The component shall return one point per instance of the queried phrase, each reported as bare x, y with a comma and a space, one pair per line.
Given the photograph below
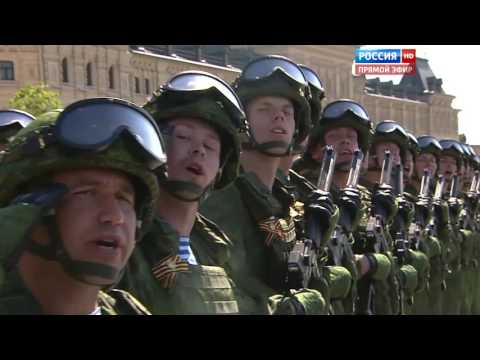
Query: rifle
416, 229
467, 220
375, 242
437, 198
339, 244
303, 258
455, 187
433, 227
400, 241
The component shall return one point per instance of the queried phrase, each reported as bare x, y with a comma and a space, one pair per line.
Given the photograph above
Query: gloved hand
471, 201
405, 210
46, 197
383, 201
349, 203
422, 208
24, 211
440, 212
300, 302
454, 207
319, 214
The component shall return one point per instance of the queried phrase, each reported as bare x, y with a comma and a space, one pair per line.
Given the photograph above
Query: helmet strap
79, 270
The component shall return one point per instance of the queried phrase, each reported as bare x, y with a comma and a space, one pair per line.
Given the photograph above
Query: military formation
251, 198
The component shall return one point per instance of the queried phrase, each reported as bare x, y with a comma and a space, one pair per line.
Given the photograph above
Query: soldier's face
425, 161
193, 152
272, 119
96, 218
447, 166
394, 152
408, 166
344, 141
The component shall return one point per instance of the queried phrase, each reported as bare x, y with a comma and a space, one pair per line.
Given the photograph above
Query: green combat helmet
391, 131
413, 145
453, 148
430, 145
317, 92
201, 95
100, 133
276, 76
340, 113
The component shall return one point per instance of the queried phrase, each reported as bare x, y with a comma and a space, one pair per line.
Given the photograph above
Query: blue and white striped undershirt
185, 251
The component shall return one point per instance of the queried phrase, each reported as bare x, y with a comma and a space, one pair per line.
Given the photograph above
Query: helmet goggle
10, 117
312, 78
427, 140
452, 144
93, 124
265, 66
413, 143
192, 81
472, 151
339, 108
387, 127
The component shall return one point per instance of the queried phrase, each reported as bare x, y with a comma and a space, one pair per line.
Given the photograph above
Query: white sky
456, 66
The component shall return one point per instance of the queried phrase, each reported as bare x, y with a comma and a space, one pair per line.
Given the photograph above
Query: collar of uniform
282, 177
211, 244
160, 241
259, 200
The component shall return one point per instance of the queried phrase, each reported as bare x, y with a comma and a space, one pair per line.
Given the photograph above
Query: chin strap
80, 270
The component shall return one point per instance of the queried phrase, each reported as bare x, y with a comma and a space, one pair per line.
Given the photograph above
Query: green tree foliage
36, 99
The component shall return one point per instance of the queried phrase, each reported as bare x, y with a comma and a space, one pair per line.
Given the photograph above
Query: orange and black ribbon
167, 268
277, 228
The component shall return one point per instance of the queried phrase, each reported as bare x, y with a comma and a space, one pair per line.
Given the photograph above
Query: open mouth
108, 243
195, 169
279, 131
346, 152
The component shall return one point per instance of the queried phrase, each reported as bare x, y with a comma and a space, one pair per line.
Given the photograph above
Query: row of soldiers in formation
241, 199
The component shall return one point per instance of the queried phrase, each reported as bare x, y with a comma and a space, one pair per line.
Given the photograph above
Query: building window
89, 75
6, 70
111, 78
137, 85
147, 86
65, 70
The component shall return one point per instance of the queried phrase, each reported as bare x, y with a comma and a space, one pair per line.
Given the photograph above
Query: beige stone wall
34, 64
27, 69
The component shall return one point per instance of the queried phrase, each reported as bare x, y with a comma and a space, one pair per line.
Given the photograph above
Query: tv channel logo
385, 61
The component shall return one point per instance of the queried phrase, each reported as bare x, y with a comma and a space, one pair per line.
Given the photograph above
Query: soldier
178, 267
409, 163
317, 94
451, 166
11, 121
476, 223
467, 228
335, 281
421, 234
397, 292
77, 191
261, 228
345, 125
